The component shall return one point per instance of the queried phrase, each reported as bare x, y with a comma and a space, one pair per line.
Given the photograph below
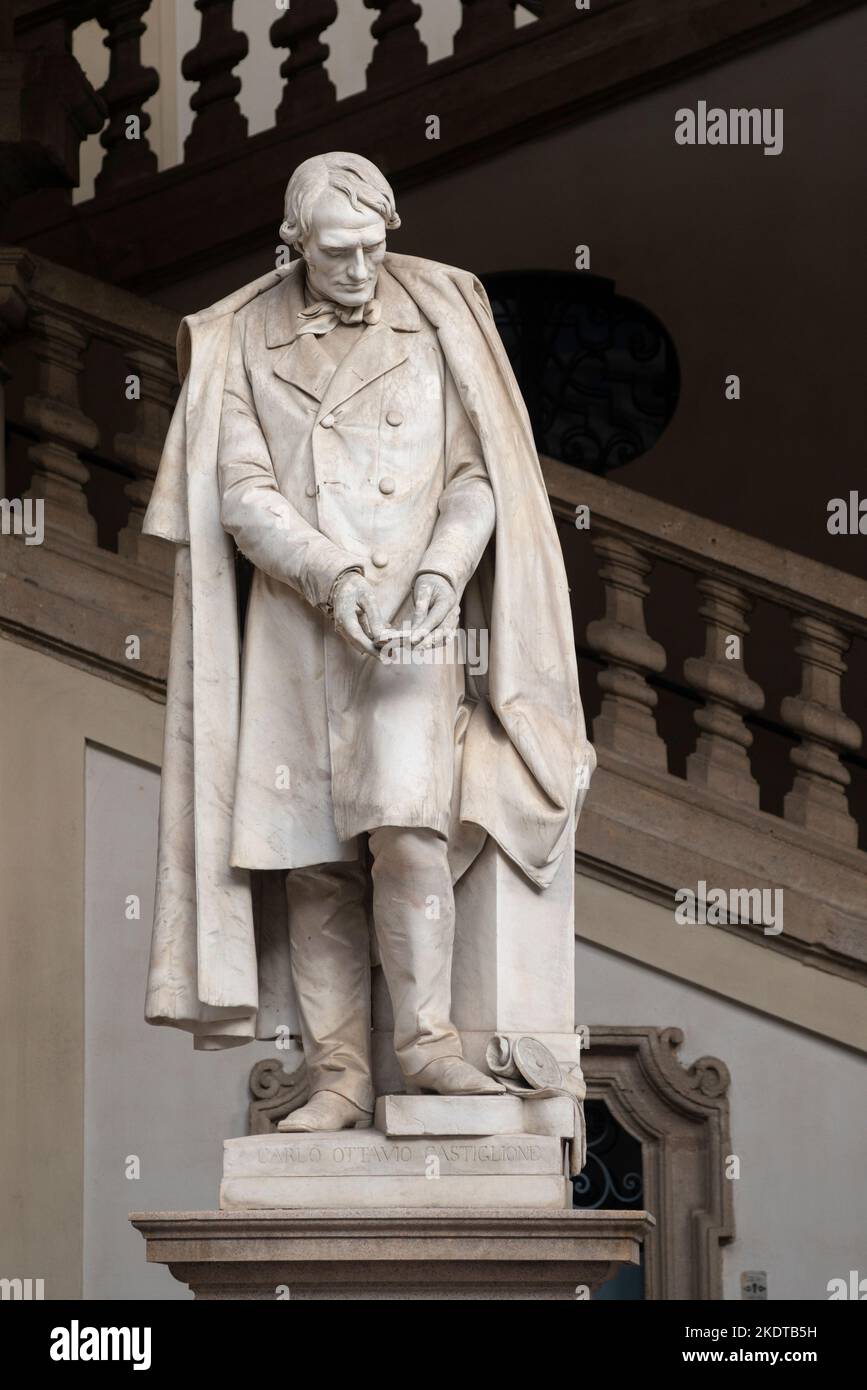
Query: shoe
452, 1076
326, 1110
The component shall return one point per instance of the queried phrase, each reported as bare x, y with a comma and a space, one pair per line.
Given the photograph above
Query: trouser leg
330, 958
414, 918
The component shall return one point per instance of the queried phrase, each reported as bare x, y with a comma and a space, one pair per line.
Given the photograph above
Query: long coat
219, 953
376, 465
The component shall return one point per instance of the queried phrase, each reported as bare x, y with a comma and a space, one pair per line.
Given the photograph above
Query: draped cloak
219, 963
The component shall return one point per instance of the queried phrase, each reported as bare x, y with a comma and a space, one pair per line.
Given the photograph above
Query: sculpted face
343, 250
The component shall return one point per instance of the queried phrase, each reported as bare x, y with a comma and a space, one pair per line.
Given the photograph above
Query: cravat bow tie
323, 316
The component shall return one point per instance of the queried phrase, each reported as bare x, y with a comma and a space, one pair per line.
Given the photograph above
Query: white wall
797, 1122
146, 1091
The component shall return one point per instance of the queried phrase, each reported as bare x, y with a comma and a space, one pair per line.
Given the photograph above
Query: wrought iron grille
613, 1175
599, 373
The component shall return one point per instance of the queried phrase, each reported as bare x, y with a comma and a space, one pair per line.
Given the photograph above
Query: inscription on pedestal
396, 1155
376, 1155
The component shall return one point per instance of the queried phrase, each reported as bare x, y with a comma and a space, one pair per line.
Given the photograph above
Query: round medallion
536, 1064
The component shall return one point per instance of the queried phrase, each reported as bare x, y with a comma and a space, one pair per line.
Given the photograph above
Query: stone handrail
707, 547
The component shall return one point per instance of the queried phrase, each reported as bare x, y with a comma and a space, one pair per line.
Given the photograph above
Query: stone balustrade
517, 69
827, 610
65, 314
84, 435
399, 57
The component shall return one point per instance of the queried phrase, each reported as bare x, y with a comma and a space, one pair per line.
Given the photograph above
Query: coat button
386, 485
394, 417
380, 559
327, 421
310, 489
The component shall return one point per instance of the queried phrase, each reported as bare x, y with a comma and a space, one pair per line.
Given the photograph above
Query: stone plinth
399, 1254
472, 1115
359, 1169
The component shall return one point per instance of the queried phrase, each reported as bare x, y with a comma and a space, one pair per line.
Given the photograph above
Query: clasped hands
358, 619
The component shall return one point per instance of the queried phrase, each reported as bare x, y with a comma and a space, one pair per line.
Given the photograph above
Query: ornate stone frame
680, 1116
274, 1092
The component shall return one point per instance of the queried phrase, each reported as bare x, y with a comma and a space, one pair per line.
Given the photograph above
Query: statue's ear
288, 234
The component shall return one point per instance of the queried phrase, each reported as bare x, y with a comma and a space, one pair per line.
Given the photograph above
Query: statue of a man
351, 422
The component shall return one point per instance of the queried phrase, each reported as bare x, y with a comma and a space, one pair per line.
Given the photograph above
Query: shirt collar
286, 300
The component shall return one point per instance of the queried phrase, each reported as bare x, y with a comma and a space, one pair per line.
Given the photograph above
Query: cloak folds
219, 957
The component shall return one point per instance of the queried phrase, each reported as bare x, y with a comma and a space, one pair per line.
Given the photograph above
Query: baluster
720, 761
48, 105
128, 87
142, 449
219, 121
54, 411
399, 54
817, 800
485, 23
626, 723
305, 76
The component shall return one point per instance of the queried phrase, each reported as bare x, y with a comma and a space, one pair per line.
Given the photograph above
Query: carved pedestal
443, 1152
361, 1170
399, 1254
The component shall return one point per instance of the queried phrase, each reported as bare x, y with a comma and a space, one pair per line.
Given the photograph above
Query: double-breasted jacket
349, 450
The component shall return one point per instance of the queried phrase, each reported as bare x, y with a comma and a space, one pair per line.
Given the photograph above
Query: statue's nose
358, 270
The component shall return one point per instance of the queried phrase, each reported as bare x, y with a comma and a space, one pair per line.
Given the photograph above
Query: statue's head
337, 211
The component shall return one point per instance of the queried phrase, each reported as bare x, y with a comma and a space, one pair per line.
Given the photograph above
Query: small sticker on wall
754, 1284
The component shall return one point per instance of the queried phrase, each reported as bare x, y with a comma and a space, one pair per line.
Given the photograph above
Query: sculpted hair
352, 174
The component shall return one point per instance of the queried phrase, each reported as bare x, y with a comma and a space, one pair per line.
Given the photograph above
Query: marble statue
350, 423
